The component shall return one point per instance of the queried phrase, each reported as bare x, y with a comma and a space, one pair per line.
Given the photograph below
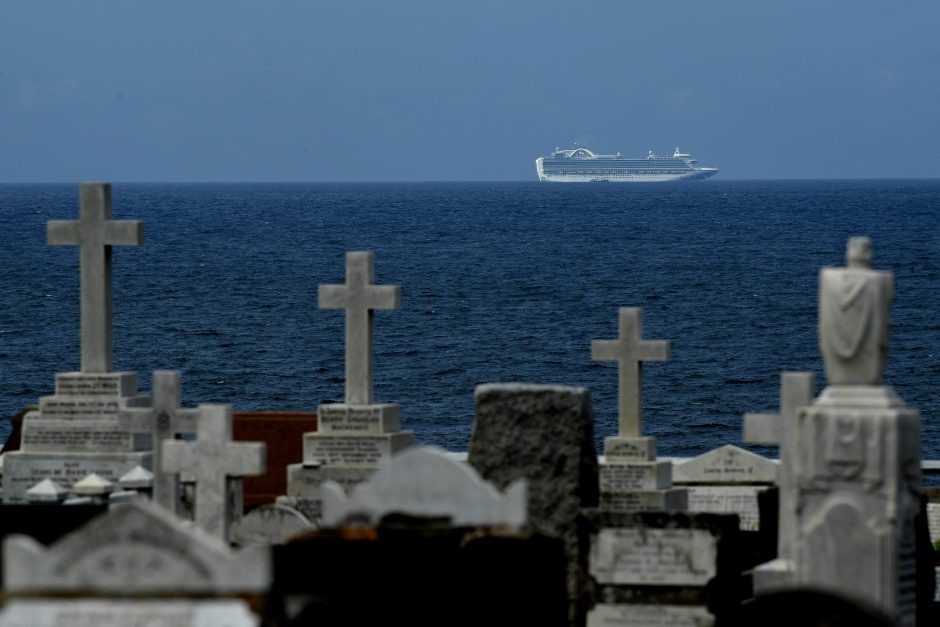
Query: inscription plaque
732, 499
635, 476
681, 557
360, 450
358, 419
644, 615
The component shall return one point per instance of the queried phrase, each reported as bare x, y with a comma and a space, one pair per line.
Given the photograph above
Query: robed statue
854, 310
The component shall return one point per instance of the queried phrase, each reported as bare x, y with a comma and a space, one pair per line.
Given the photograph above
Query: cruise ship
580, 165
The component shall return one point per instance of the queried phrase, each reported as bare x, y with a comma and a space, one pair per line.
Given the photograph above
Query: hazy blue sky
388, 90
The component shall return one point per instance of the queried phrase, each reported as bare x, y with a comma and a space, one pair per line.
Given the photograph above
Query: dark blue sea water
500, 282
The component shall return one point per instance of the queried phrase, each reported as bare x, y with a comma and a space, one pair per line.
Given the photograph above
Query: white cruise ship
580, 165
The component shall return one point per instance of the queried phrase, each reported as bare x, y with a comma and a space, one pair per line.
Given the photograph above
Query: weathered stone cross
630, 350
796, 391
359, 297
95, 233
164, 419
213, 459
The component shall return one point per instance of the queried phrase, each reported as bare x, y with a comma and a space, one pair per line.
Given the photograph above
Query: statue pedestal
856, 475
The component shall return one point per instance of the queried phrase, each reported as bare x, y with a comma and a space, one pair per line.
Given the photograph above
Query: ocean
500, 282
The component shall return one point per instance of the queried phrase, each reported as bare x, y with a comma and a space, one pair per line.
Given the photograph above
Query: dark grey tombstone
546, 435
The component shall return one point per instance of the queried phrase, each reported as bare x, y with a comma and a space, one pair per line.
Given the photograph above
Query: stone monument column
857, 462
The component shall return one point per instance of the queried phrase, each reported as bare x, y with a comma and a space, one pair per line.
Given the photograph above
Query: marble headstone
727, 480
354, 438
631, 478
426, 482
76, 431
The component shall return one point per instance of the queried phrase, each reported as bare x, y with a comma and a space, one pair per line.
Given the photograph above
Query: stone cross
359, 297
164, 419
95, 233
630, 350
212, 460
796, 390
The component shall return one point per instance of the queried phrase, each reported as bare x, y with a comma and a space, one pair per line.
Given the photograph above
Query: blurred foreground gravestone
424, 541
133, 564
727, 480
857, 467
544, 434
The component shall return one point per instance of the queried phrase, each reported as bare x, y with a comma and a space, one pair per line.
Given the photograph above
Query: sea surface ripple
500, 282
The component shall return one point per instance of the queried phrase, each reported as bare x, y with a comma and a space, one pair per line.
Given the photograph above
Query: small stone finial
47, 491
93, 485
138, 478
858, 253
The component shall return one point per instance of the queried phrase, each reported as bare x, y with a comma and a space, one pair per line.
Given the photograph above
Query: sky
440, 90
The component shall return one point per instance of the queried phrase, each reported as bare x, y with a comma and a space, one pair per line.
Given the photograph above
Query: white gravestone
216, 463
163, 420
76, 431
727, 480
797, 390
357, 436
857, 469
630, 476
141, 566
427, 482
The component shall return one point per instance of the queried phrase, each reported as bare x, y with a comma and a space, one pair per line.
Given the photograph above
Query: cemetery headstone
356, 437
658, 569
857, 468
76, 431
135, 565
544, 434
631, 478
727, 480
217, 464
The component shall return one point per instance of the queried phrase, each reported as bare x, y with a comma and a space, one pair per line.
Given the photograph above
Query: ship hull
580, 165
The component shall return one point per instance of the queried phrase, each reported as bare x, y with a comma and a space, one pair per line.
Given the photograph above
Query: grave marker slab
543, 434
133, 560
651, 567
727, 480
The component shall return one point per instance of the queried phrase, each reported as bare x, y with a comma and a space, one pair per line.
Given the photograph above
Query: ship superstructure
580, 165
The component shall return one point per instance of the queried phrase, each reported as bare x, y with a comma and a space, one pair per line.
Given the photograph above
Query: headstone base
24, 469
773, 576
121, 613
